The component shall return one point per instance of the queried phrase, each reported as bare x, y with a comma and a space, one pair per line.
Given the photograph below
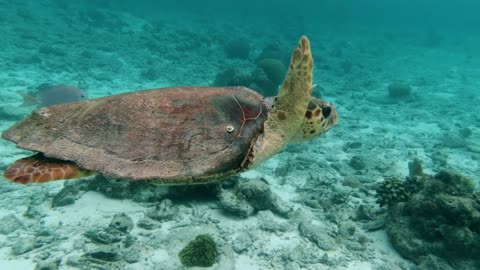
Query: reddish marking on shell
248, 114
39, 169
251, 113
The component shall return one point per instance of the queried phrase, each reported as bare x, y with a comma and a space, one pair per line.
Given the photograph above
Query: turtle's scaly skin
174, 135
288, 112
319, 118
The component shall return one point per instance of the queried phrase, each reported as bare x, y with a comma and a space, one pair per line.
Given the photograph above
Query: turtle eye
230, 129
326, 111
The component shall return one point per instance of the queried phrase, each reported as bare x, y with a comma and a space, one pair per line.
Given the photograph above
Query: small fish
47, 95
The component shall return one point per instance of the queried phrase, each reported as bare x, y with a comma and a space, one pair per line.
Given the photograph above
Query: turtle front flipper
39, 169
294, 95
288, 111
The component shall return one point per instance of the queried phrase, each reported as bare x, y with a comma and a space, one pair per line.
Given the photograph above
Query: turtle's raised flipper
296, 90
288, 111
39, 169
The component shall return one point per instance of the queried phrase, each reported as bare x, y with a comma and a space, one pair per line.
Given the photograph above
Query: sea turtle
178, 135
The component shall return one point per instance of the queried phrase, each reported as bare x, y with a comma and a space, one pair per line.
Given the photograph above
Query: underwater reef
265, 77
399, 90
238, 48
433, 219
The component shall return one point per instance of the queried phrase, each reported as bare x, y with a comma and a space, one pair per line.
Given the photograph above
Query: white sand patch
159, 257
87, 210
360, 266
17, 264
245, 262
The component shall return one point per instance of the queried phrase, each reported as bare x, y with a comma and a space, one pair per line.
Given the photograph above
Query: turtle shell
173, 135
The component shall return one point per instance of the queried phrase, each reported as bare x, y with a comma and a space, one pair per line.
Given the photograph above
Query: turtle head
319, 118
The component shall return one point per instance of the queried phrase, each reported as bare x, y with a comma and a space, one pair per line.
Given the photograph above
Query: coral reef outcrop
437, 217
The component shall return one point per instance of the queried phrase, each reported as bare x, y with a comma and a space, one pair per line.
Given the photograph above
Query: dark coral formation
399, 90
273, 51
238, 48
266, 77
274, 69
357, 163
232, 77
202, 251
391, 191
440, 217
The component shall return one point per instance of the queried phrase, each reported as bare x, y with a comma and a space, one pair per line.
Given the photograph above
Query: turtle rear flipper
288, 111
39, 169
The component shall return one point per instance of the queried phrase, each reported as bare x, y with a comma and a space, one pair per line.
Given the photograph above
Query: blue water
403, 76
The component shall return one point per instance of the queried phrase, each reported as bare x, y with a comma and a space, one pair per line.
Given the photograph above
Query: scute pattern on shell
173, 135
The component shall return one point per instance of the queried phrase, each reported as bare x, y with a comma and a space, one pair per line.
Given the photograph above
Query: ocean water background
318, 207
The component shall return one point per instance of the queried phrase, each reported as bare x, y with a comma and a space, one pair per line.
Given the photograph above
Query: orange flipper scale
39, 169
